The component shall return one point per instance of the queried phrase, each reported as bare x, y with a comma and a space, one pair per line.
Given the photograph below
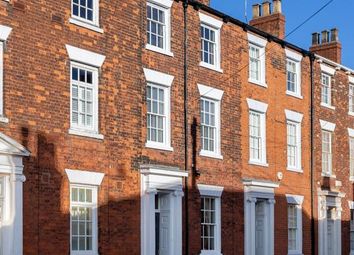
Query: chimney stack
205, 2
327, 45
267, 19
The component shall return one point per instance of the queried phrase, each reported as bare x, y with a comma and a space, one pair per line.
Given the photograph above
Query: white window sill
4, 119
159, 50
328, 175
257, 163
290, 93
84, 253
351, 179
204, 252
328, 106
258, 83
212, 67
158, 146
85, 25
295, 253
85, 134
209, 154
293, 169
351, 114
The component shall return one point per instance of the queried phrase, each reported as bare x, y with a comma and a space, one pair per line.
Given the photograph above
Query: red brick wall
276, 136
340, 145
37, 102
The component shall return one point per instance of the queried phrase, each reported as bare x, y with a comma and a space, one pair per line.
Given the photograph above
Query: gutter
334, 64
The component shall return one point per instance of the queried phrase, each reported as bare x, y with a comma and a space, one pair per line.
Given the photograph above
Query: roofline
334, 64
246, 27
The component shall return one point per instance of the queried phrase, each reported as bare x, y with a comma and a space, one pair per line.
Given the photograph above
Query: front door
330, 233
163, 224
260, 227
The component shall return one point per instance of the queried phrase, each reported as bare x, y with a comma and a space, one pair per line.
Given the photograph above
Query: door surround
253, 190
155, 179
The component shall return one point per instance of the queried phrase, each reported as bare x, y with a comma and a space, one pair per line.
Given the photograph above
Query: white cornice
293, 116
294, 199
213, 93
328, 126
85, 56
211, 21
327, 69
293, 55
84, 177
256, 40
158, 77
4, 32
210, 190
257, 105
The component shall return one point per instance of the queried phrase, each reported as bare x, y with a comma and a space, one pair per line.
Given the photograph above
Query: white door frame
166, 179
329, 200
11, 154
262, 190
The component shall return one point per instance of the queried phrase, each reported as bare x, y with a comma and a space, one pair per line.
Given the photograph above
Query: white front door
163, 224
330, 233
260, 227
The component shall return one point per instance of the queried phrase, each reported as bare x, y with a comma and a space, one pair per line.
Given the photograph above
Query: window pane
81, 219
208, 45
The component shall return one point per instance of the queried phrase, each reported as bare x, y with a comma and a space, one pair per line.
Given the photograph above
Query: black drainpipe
185, 6
313, 243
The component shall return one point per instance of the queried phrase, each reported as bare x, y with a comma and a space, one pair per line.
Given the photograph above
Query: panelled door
260, 227
163, 224
330, 233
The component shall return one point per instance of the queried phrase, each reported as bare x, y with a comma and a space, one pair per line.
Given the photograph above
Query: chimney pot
277, 7
315, 38
266, 8
334, 35
325, 36
256, 10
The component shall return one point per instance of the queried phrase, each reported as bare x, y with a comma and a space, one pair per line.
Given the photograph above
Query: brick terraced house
164, 127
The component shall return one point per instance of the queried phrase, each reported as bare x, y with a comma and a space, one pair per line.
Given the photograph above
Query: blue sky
340, 14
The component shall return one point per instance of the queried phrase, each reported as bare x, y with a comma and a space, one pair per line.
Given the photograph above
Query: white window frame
77, 127
163, 81
85, 23
329, 72
91, 61
351, 96
295, 118
214, 95
261, 109
92, 180
4, 34
260, 43
164, 5
295, 58
214, 192
213, 24
94, 230
297, 201
351, 154
329, 128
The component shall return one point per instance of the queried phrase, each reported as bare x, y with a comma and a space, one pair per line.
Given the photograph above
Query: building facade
166, 127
